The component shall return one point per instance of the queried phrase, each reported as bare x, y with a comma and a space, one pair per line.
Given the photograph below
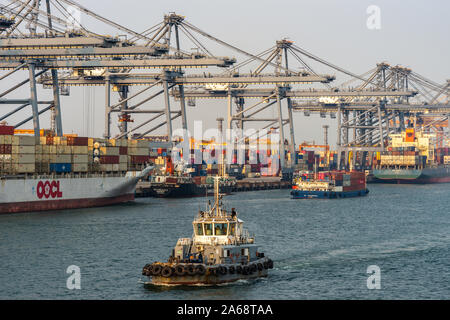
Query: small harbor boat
329, 184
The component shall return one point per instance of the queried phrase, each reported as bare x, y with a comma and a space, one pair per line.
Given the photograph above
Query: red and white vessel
47, 192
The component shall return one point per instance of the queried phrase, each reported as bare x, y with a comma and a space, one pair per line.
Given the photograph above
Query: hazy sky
413, 34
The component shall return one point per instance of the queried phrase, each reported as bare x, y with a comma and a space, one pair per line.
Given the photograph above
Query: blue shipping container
60, 167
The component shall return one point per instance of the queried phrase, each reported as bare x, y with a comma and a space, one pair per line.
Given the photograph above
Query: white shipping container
24, 149
109, 151
23, 141
23, 158
123, 159
60, 158
80, 167
138, 151
80, 149
138, 143
5, 157
106, 167
80, 158
24, 167
61, 149
123, 166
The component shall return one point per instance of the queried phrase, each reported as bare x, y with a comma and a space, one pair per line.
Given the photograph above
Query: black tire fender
156, 270
167, 271
180, 270
200, 269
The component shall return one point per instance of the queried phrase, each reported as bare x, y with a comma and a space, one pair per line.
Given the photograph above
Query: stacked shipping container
20, 154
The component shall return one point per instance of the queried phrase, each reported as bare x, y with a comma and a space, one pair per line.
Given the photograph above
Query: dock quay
246, 184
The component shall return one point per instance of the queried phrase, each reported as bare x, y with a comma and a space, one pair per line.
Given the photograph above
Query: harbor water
321, 248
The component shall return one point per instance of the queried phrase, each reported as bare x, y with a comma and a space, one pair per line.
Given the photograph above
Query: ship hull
306, 194
419, 176
39, 194
204, 280
208, 278
184, 190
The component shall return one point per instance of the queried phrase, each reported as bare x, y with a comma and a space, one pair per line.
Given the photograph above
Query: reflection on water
321, 249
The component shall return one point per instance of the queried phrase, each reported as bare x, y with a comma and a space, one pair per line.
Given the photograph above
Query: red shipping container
140, 159
109, 159
123, 151
5, 149
49, 141
81, 141
7, 130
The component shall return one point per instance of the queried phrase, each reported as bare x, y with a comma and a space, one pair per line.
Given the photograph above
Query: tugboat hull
205, 279
212, 275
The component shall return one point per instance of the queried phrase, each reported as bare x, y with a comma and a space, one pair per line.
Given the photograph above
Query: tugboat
220, 251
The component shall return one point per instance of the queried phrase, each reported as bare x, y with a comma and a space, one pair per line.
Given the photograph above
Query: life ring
200, 269
260, 266
190, 270
179, 270
231, 269
167, 271
156, 270
239, 269
223, 270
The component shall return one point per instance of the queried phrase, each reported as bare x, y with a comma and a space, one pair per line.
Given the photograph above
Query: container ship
329, 184
54, 173
412, 157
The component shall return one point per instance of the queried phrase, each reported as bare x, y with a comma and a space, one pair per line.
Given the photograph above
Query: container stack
138, 153
6, 135
23, 154
401, 156
80, 158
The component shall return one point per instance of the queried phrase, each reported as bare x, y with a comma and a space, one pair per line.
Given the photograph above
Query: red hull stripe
63, 204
